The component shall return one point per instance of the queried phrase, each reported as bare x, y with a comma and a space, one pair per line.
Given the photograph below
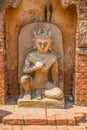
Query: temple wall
40, 11
71, 17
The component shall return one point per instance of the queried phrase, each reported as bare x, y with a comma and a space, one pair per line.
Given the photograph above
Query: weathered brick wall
12, 83
2, 62
80, 85
81, 80
81, 55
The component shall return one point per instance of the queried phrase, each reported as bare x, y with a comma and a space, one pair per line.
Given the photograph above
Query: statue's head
42, 39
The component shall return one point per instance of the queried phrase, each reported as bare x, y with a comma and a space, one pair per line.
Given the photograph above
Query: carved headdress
42, 32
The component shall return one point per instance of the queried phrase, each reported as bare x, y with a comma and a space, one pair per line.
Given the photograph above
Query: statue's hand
39, 64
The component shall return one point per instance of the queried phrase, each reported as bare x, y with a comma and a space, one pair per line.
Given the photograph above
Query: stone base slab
14, 115
48, 103
41, 116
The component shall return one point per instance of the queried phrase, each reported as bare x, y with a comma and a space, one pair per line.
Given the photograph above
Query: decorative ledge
83, 33
81, 51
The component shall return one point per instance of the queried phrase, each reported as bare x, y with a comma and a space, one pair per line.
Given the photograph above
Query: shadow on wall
4, 113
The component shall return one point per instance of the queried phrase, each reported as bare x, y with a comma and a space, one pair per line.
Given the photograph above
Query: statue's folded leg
27, 84
53, 92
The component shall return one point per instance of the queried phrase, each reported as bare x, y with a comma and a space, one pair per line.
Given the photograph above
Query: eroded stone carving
40, 76
39, 63
81, 51
83, 33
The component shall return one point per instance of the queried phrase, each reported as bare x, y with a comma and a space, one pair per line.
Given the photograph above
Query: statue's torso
41, 75
48, 58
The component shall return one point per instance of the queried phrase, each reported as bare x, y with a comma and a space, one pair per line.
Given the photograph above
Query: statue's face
43, 45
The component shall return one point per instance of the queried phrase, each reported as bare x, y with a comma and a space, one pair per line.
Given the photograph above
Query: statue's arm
31, 65
54, 73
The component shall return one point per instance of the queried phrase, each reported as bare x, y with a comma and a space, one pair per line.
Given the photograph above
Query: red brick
2, 65
2, 93
67, 119
81, 102
81, 58
72, 121
80, 80
13, 120
83, 69
14, 91
81, 75
2, 81
81, 97
30, 120
79, 117
34, 117
2, 76
61, 120
2, 58
81, 92
51, 120
2, 70
81, 86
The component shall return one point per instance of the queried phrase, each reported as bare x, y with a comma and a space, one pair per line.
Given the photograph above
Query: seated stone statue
40, 79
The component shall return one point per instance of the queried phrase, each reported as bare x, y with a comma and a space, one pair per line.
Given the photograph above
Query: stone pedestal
48, 103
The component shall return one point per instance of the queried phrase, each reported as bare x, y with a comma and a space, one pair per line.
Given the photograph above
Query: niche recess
35, 11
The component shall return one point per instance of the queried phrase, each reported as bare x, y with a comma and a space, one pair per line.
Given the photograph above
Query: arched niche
28, 12
26, 45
